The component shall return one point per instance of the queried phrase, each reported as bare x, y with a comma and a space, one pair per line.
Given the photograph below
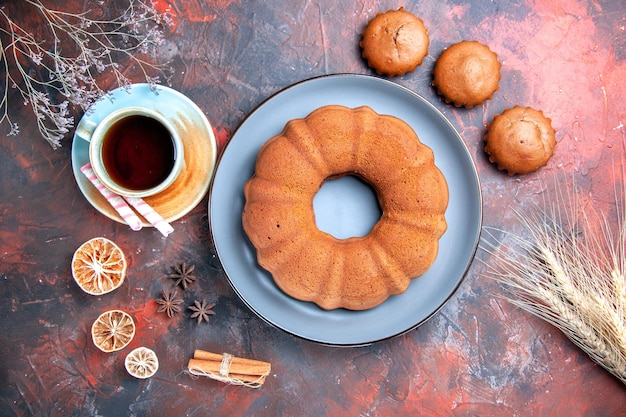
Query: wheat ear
568, 273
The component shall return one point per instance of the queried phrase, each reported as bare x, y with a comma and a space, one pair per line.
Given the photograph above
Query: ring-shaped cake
356, 273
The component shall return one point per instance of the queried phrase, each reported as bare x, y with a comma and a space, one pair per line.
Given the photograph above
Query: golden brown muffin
356, 273
467, 74
395, 42
520, 140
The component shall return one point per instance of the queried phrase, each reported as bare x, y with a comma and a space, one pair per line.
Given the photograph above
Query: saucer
198, 139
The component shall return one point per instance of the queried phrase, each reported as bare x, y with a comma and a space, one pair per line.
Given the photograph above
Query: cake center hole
346, 207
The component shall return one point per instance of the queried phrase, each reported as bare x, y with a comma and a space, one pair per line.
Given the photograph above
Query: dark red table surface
477, 356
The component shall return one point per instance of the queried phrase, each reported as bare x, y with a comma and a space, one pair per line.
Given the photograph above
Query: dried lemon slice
112, 330
142, 363
99, 266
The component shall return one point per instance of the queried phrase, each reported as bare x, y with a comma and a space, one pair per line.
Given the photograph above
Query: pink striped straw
115, 200
152, 216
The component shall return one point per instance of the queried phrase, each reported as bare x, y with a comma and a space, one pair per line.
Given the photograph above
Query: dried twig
73, 59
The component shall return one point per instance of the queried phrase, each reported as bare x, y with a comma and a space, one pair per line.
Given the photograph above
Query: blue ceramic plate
398, 314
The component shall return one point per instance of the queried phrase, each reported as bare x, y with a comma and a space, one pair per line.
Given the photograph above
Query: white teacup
134, 151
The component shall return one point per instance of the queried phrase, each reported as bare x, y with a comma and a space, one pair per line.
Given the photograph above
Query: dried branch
81, 55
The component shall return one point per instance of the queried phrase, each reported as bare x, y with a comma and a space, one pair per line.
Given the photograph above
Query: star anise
169, 303
183, 274
201, 310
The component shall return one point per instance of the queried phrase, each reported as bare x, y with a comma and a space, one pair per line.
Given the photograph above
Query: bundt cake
356, 273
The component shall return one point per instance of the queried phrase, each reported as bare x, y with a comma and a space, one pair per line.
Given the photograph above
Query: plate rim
478, 194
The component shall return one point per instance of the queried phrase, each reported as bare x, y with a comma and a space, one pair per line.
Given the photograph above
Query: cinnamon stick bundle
228, 368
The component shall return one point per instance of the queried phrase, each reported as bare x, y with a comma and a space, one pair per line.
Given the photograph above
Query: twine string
227, 360
228, 379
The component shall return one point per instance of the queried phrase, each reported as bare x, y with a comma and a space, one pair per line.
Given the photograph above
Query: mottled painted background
478, 356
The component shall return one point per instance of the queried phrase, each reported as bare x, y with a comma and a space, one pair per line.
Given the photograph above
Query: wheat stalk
568, 272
